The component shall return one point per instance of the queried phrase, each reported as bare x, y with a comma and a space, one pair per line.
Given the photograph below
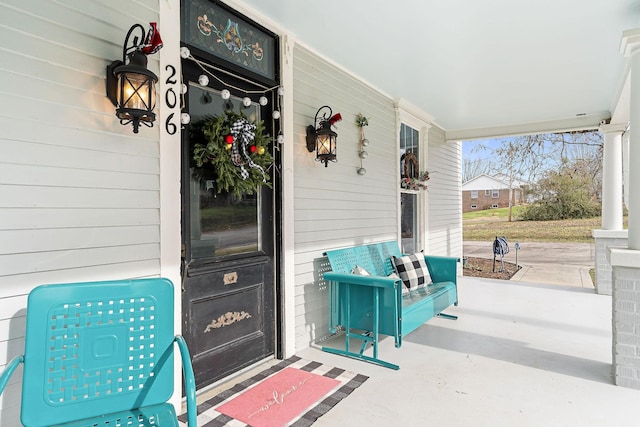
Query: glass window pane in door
409, 221
409, 144
221, 223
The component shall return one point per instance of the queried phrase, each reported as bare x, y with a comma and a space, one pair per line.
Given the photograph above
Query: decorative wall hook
361, 122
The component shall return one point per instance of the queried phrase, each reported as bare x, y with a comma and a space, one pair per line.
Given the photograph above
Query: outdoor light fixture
130, 85
321, 138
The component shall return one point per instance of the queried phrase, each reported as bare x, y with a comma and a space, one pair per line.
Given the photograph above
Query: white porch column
625, 168
612, 176
625, 262
611, 233
634, 149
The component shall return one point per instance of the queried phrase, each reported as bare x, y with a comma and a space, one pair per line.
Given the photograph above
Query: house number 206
171, 100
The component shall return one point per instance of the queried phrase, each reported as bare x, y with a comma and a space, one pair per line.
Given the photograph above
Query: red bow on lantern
335, 118
153, 41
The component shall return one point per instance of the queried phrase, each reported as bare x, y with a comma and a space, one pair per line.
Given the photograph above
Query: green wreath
237, 151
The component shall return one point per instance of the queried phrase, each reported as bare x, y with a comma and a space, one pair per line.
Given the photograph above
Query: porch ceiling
485, 68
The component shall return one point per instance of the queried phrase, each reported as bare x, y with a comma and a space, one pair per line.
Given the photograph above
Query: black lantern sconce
130, 85
321, 138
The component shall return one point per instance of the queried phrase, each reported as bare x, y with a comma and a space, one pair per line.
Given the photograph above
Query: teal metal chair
101, 354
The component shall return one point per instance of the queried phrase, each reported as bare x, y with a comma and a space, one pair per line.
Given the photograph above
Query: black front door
228, 250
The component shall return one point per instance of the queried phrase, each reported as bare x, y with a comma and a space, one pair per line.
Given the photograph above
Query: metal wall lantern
320, 137
130, 85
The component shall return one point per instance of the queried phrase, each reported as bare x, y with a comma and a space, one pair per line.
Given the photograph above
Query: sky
482, 150
479, 156
470, 148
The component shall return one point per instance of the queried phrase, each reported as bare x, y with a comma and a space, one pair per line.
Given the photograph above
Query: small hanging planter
237, 151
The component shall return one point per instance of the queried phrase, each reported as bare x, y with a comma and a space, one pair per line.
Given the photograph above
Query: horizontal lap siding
79, 193
334, 206
445, 195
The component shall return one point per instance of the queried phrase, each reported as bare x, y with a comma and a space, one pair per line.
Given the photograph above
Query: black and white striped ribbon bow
244, 132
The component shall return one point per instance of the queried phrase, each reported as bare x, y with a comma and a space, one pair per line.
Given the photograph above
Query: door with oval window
229, 208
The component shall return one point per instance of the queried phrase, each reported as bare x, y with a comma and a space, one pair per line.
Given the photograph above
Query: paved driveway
550, 263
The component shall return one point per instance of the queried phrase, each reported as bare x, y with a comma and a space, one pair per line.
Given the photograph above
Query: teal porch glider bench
368, 306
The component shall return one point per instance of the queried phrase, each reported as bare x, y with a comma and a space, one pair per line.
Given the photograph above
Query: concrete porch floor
520, 354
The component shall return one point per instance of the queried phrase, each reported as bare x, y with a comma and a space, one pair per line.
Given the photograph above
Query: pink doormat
295, 392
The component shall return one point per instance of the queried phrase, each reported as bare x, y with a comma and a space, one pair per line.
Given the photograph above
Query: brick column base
605, 239
626, 326
625, 265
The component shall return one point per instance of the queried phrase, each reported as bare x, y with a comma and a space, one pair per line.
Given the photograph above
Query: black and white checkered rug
208, 416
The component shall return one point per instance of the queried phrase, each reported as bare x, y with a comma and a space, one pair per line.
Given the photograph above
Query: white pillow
360, 271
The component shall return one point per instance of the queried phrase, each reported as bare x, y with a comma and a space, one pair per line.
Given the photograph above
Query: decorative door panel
228, 316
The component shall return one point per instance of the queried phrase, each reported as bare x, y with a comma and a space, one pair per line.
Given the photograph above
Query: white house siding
79, 193
334, 206
445, 201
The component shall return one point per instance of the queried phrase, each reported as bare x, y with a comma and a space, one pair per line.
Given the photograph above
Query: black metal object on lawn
500, 247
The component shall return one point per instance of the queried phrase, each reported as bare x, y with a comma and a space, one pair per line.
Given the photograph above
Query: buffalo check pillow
412, 269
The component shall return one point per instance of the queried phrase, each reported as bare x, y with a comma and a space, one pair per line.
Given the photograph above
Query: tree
473, 168
535, 158
519, 157
565, 194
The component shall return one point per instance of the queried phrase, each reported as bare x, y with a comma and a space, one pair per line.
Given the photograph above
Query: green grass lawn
500, 213
487, 224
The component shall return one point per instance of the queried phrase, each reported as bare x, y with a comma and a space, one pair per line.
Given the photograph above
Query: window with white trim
495, 194
409, 205
413, 215
474, 194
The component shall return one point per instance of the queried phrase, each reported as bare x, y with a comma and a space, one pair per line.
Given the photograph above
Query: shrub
565, 194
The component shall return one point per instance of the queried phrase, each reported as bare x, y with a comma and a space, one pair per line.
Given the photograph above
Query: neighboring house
83, 198
490, 192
